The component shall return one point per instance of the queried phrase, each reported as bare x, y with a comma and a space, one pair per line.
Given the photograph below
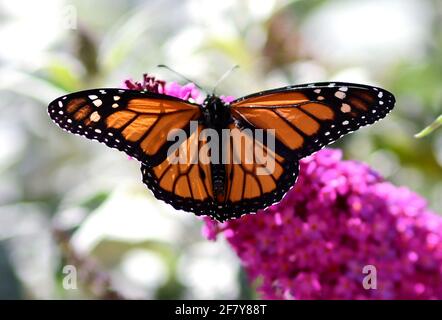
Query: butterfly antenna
224, 76
180, 75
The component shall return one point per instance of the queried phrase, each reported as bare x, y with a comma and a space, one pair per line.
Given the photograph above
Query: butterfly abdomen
219, 179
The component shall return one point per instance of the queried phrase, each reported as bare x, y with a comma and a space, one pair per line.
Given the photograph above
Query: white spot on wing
340, 94
345, 108
98, 102
95, 117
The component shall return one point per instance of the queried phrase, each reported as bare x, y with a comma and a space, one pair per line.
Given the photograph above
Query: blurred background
67, 201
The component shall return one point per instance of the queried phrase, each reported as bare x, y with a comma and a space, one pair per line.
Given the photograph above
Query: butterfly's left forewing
132, 121
307, 117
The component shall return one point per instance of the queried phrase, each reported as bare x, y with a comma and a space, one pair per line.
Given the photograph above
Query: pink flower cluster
185, 92
339, 217
151, 84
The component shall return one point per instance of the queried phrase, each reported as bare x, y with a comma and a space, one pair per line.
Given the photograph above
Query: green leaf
61, 74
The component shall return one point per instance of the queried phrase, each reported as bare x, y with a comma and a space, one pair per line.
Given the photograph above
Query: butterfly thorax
216, 112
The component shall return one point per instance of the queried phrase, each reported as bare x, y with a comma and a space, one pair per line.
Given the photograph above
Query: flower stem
432, 127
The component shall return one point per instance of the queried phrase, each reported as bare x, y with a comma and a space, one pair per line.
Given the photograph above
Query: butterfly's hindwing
186, 182
189, 186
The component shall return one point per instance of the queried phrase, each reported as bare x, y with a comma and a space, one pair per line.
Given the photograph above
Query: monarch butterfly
299, 120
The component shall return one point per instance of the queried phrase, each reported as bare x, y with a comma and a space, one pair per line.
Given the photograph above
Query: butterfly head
216, 112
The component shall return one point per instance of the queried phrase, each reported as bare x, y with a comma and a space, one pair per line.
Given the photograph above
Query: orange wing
256, 175
251, 184
131, 121
307, 117
184, 178
256, 172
